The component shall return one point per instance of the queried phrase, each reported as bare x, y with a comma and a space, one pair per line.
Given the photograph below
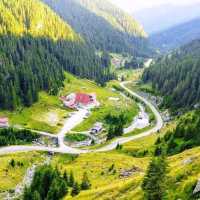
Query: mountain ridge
99, 23
115, 16
176, 36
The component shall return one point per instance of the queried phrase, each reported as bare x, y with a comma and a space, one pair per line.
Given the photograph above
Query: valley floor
113, 173
110, 146
98, 164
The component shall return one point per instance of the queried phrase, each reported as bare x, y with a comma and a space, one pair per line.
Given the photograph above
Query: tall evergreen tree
85, 185
71, 179
154, 181
75, 189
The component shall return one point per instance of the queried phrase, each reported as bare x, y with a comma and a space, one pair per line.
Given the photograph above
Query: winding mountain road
122, 140
78, 118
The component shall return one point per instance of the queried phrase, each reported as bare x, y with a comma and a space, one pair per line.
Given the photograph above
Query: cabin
77, 100
4, 122
98, 127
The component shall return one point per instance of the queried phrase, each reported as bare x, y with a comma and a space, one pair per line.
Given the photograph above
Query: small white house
98, 127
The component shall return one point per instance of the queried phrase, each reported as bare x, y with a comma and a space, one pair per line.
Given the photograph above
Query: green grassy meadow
77, 137
45, 115
130, 74
104, 170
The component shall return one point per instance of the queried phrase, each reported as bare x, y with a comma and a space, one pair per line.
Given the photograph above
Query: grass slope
183, 176
97, 166
146, 143
11, 176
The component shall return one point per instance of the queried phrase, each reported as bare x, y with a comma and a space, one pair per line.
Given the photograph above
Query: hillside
176, 36
177, 76
184, 136
161, 17
36, 46
20, 18
102, 24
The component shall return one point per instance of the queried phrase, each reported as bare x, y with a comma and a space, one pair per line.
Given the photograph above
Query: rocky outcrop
128, 173
197, 188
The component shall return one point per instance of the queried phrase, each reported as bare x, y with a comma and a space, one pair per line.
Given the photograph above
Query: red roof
83, 98
3, 120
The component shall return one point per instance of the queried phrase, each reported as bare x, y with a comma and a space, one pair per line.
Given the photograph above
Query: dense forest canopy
11, 136
103, 25
115, 16
35, 49
185, 136
177, 76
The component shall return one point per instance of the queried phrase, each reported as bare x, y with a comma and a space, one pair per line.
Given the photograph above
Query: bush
85, 185
12, 163
111, 168
116, 125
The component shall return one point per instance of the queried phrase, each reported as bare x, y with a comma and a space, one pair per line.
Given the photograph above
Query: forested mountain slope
176, 36
34, 18
177, 76
102, 24
184, 136
36, 46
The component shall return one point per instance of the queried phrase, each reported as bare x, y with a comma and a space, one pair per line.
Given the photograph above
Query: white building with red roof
4, 122
76, 100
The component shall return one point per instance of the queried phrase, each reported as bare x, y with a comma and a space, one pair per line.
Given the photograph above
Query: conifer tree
36, 196
85, 185
75, 189
71, 179
154, 181
66, 178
